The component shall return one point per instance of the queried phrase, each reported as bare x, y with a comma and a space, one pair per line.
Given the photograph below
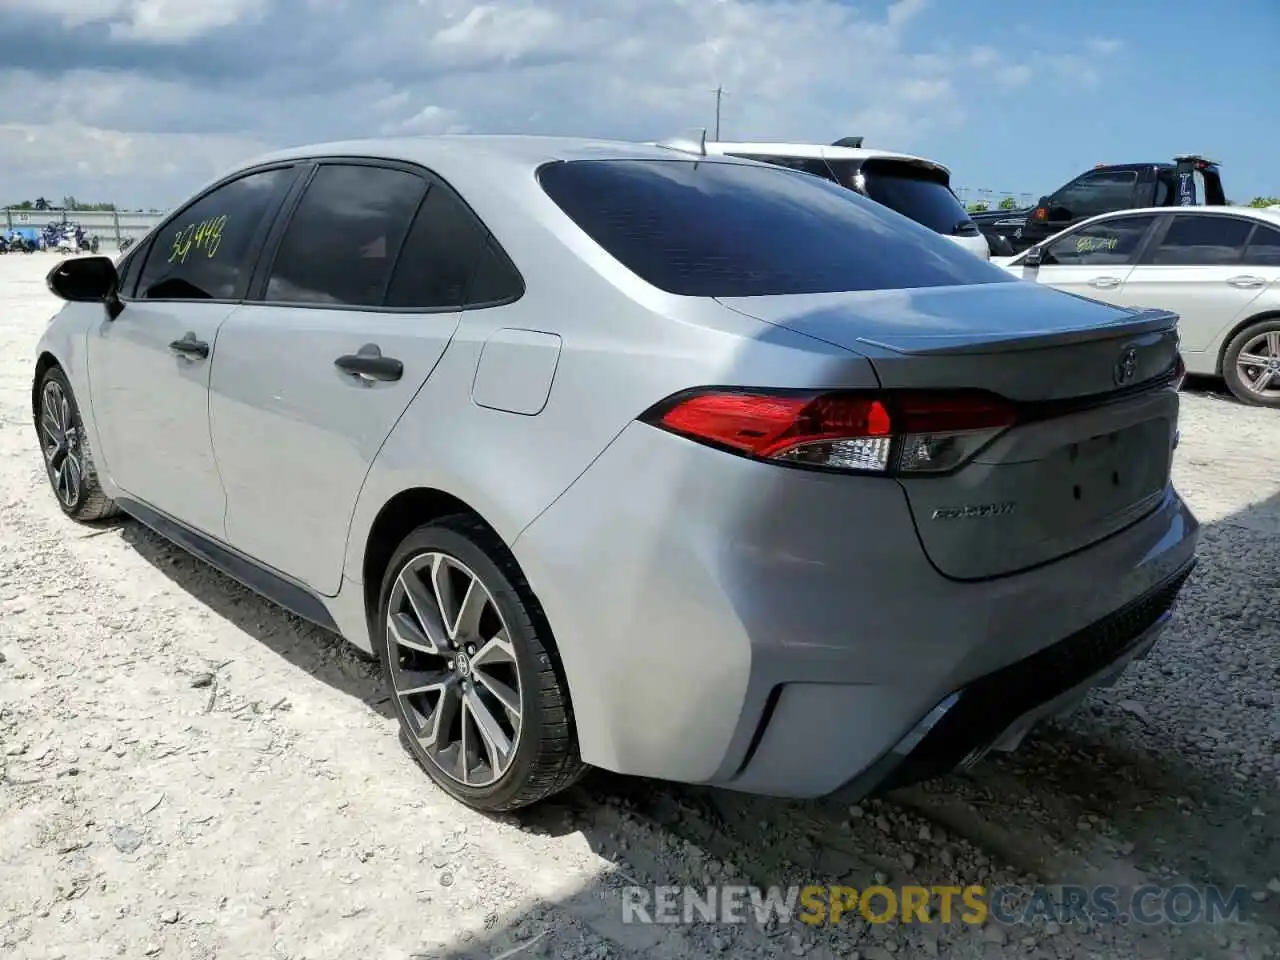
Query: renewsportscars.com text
974, 904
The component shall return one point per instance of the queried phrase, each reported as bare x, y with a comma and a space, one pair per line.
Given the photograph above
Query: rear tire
454, 687
1259, 342
68, 459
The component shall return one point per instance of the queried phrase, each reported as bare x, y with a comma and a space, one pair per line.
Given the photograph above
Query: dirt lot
186, 771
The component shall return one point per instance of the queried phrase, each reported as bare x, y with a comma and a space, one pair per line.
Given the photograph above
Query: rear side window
1202, 242
342, 241
922, 195
206, 252
1111, 243
715, 229
448, 260
1264, 247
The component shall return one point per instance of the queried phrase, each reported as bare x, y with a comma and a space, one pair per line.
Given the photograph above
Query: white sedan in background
1217, 267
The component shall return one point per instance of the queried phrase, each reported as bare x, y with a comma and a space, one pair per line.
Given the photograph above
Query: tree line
68, 203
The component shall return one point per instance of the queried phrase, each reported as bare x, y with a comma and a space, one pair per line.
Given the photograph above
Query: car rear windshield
919, 194
716, 229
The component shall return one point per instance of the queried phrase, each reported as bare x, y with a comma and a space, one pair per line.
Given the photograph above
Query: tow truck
1189, 180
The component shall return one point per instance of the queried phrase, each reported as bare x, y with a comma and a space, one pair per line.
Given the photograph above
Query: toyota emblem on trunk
1126, 366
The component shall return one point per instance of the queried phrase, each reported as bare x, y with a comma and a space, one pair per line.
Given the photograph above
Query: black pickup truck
1187, 181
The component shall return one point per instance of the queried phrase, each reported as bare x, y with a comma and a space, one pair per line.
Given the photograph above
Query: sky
139, 102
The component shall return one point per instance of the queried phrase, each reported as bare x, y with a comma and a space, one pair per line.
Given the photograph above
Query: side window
1094, 193
1109, 243
129, 268
343, 239
1264, 248
814, 165
440, 256
495, 279
1202, 242
206, 252
1164, 188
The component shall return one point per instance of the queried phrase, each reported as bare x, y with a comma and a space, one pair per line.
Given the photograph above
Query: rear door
358, 302
1195, 267
1094, 260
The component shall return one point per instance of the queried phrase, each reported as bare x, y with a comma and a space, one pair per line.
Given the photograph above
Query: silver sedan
685, 467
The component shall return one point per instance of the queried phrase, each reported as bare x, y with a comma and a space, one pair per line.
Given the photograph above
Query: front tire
68, 459
1251, 364
474, 677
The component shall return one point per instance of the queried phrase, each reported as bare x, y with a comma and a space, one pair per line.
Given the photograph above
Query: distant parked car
684, 467
913, 186
1218, 268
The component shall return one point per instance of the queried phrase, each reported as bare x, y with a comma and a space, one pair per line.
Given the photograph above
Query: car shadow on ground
324, 655
1097, 800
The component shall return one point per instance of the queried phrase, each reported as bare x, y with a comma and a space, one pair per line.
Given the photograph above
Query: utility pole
719, 94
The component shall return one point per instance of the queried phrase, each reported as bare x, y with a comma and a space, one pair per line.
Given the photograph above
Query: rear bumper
781, 632
995, 711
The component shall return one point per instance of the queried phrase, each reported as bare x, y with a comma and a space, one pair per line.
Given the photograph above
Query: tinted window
1264, 248
1094, 193
1202, 241
816, 166
206, 251
922, 195
495, 279
130, 267
439, 258
731, 230
342, 241
1109, 243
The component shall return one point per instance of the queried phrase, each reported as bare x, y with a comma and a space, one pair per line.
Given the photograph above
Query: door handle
189, 346
369, 365
1104, 283
1247, 282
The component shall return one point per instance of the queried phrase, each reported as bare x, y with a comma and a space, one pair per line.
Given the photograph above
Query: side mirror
84, 280
1034, 257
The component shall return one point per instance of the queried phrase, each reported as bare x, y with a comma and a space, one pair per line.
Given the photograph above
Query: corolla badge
974, 511
1126, 367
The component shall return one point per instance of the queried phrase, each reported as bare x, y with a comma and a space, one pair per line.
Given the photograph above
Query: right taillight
1040, 214
893, 432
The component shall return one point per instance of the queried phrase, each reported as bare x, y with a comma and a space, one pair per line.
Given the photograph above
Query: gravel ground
187, 771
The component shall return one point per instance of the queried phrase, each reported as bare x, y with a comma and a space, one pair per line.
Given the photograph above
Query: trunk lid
1091, 452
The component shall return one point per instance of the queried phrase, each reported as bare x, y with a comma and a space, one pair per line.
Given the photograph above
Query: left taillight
890, 432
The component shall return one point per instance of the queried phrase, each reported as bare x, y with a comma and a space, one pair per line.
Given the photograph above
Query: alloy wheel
1258, 364
61, 442
453, 669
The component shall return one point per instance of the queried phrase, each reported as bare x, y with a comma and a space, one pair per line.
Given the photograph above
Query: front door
1095, 259
149, 367
362, 298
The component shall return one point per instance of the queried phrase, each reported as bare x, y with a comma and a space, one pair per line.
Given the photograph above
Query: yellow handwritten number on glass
206, 236
214, 237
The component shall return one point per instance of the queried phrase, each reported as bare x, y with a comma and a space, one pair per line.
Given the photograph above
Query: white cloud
147, 20
1105, 46
197, 83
